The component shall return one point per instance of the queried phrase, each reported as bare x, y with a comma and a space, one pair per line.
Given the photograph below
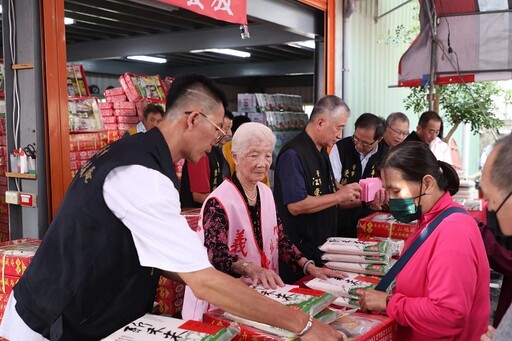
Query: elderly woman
242, 232
442, 292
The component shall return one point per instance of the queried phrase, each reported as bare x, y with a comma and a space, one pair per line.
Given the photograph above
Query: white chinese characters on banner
195, 2
222, 5
226, 10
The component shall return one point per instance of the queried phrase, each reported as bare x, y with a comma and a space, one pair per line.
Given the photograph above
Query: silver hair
248, 133
393, 117
330, 105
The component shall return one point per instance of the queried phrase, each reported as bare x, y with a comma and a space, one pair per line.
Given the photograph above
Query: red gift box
8, 282
169, 289
170, 307
87, 141
127, 119
246, 333
116, 98
383, 225
113, 92
16, 256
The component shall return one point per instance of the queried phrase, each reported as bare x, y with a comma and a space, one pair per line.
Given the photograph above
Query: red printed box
113, 92
170, 307
105, 105
8, 282
383, 225
87, 141
16, 255
125, 112
110, 126
107, 112
109, 120
127, 119
137, 87
112, 135
83, 155
124, 105
125, 126
246, 333
116, 98
169, 289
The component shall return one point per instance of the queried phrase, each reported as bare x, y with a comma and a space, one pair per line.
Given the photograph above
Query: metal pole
433, 51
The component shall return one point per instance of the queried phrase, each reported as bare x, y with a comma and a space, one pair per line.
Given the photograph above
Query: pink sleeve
199, 174
451, 277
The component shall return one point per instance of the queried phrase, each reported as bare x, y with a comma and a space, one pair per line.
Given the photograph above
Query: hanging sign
234, 11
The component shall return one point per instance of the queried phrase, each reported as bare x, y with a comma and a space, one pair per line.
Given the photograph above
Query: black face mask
492, 216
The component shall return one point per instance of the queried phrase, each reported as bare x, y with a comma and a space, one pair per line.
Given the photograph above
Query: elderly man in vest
305, 191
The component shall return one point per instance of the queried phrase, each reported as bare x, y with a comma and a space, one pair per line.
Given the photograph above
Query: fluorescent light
0, 9
230, 52
308, 44
68, 21
149, 59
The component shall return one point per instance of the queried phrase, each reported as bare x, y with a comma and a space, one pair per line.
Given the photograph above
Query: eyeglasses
364, 144
219, 129
399, 132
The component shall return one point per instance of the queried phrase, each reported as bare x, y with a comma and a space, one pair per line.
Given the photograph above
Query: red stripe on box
200, 327
307, 291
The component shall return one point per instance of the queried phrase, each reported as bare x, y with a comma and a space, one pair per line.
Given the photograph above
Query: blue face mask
405, 209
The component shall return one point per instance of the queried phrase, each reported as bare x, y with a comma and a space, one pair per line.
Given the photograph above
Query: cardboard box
384, 225
16, 255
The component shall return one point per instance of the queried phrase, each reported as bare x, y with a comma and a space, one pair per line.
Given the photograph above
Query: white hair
248, 133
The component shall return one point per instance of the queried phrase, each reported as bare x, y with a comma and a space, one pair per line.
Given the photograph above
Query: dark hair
428, 116
393, 117
228, 114
414, 160
502, 166
370, 121
153, 108
329, 104
181, 85
238, 121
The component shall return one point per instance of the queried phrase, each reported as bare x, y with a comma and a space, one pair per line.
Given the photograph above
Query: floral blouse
215, 224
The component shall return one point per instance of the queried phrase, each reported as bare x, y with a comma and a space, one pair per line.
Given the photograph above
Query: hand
268, 278
373, 300
489, 335
324, 273
381, 199
321, 331
350, 192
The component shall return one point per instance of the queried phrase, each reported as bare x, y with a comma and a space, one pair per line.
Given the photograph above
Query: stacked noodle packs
365, 261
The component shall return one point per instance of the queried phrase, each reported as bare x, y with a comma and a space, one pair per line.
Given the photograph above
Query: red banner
234, 11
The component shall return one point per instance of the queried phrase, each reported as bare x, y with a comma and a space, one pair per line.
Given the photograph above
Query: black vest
85, 280
216, 161
413, 137
309, 231
350, 173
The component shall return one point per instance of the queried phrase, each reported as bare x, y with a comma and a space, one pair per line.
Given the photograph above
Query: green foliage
471, 103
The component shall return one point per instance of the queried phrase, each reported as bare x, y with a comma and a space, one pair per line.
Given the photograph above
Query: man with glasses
354, 158
119, 228
397, 129
201, 178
